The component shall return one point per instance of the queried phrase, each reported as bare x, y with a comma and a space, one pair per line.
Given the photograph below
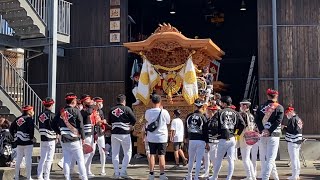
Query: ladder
246, 92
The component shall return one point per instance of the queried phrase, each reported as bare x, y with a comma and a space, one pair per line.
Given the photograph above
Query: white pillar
52, 61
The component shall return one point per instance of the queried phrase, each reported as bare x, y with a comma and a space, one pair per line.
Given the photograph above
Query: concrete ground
139, 170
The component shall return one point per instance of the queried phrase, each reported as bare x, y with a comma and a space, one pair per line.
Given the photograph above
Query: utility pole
52, 61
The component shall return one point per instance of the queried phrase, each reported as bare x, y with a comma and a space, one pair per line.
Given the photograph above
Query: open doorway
232, 29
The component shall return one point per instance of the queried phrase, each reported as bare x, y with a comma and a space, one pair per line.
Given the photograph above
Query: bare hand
131, 128
265, 133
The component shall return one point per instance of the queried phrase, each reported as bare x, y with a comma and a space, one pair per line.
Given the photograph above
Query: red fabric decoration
98, 100
251, 137
213, 108
48, 102
27, 108
94, 117
289, 109
87, 148
233, 107
71, 97
272, 92
85, 99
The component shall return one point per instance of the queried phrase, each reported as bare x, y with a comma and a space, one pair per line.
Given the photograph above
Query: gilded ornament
169, 69
172, 84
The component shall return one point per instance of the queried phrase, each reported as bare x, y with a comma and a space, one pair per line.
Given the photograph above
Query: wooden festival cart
167, 49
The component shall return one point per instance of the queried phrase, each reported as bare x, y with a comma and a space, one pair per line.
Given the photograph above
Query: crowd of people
213, 132
209, 134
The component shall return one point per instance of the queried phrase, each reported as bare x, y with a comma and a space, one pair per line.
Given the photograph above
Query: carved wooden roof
168, 47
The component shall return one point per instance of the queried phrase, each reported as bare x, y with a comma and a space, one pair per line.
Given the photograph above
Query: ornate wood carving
168, 47
166, 28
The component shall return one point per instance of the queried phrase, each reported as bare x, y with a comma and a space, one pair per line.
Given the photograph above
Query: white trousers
73, 163
46, 158
224, 147
254, 157
26, 152
268, 153
73, 150
61, 162
195, 151
294, 153
210, 157
88, 157
102, 146
247, 164
123, 140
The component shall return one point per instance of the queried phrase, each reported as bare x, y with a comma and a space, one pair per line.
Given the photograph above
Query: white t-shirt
160, 135
178, 127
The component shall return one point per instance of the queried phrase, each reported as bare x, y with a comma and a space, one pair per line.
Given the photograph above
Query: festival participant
122, 120
68, 123
268, 119
210, 156
208, 77
176, 136
255, 148
244, 147
237, 138
136, 77
79, 105
48, 139
73, 161
293, 129
22, 129
100, 130
6, 141
86, 113
197, 134
145, 141
228, 121
157, 135
217, 99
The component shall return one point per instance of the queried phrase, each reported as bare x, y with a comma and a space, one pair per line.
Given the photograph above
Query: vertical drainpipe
275, 45
275, 54
52, 62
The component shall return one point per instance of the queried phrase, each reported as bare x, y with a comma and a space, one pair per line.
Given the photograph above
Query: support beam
38, 42
275, 45
29, 44
9, 41
52, 61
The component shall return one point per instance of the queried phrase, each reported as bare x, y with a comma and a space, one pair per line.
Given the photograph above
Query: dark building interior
232, 29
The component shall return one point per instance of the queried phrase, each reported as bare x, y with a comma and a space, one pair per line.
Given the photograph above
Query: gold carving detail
172, 84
